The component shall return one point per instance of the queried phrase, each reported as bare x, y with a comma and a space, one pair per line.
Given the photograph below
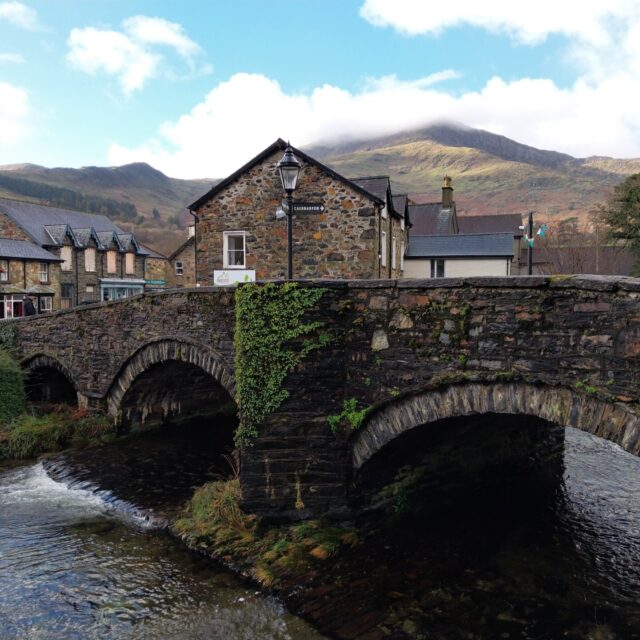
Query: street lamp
289, 168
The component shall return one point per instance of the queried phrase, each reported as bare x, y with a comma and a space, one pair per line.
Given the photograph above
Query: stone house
155, 270
26, 269
239, 233
97, 260
181, 264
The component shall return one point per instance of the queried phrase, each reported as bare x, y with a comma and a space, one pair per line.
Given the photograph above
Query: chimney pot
447, 193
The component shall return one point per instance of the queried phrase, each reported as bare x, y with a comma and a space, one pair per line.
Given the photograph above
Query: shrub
12, 395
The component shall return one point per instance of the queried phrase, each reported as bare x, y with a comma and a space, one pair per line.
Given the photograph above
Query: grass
52, 429
214, 523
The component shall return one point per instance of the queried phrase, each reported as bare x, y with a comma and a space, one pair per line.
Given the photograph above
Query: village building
26, 270
94, 260
181, 264
155, 270
352, 229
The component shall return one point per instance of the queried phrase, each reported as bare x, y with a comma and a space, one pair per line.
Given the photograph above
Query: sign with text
304, 207
227, 277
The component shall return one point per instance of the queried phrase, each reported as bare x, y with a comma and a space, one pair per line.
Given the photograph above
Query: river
83, 555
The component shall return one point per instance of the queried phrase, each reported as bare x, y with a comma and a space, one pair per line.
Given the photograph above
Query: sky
197, 88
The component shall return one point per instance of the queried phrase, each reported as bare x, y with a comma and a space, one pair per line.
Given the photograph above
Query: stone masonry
342, 242
566, 350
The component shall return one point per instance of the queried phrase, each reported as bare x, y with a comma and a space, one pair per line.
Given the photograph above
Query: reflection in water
82, 564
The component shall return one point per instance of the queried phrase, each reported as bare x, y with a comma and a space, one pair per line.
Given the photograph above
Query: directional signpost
304, 207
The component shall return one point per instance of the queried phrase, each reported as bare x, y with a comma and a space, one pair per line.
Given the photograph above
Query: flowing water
83, 555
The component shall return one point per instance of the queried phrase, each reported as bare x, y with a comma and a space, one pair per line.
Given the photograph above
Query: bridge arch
561, 406
48, 380
164, 351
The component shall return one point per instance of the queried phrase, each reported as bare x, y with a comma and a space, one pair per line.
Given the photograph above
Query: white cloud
525, 20
14, 113
13, 58
131, 55
244, 114
19, 15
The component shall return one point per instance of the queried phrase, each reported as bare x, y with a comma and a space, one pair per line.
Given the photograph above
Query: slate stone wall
95, 343
396, 340
565, 350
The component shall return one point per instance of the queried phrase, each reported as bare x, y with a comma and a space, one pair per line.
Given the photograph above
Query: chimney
447, 193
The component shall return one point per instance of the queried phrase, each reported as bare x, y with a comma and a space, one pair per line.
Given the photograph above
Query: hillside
127, 194
491, 173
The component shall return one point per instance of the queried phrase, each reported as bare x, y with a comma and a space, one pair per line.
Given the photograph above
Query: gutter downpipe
195, 245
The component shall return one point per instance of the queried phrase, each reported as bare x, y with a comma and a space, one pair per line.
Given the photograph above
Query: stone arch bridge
414, 354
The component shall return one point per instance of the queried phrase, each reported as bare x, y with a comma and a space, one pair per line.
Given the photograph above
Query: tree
156, 214
622, 216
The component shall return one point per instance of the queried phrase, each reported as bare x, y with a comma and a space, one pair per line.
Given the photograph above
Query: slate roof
107, 238
278, 145
83, 236
23, 249
494, 223
399, 202
152, 253
376, 185
184, 245
461, 245
430, 219
33, 218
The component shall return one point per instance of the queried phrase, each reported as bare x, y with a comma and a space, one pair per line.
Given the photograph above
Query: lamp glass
289, 168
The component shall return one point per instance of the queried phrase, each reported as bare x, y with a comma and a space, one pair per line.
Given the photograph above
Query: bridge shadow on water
488, 527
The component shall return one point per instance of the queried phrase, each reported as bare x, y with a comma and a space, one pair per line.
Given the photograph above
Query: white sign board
233, 276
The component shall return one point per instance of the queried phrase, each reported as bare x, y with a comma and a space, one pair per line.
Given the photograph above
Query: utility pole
530, 242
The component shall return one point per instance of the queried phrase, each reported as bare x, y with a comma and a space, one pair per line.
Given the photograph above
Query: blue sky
197, 88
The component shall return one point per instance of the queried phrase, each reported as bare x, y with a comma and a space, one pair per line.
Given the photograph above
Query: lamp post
289, 168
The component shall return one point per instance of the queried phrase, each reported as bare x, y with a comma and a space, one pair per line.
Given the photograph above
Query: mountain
128, 194
491, 173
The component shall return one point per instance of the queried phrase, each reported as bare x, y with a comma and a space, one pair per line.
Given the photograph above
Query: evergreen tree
622, 216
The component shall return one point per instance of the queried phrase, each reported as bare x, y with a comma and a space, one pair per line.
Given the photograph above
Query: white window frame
45, 304
130, 263
114, 253
90, 260
402, 250
179, 267
383, 248
434, 267
4, 271
225, 249
393, 252
44, 271
66, 253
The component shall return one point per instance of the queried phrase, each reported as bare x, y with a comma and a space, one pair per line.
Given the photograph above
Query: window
393, 253
44, 272
383, 249
11, 306
111, 261
4, 270
66, 253
46, 304
234, 250
90, 259
179, 269
66, 296
437, 268
130, 262
402, 256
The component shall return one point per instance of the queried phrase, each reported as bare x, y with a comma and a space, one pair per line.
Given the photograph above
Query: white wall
458, 267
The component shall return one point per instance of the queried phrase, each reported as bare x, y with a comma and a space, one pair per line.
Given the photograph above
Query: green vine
350, 416
267, 346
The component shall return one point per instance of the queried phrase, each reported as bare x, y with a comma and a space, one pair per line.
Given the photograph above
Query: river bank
510, 561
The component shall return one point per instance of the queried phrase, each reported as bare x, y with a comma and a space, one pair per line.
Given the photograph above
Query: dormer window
111, 261
130, 263
66, 253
